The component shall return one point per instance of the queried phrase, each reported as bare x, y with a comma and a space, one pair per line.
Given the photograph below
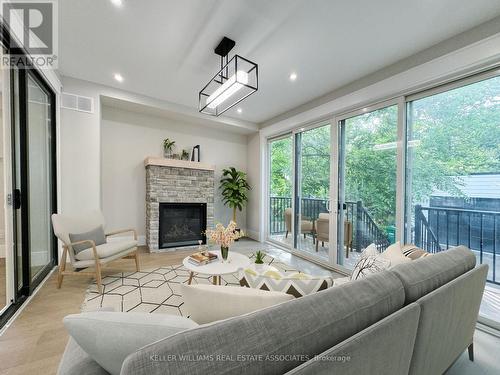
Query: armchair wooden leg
471, 352
62, 268
317, 242
286, 235
137, 265
98, 277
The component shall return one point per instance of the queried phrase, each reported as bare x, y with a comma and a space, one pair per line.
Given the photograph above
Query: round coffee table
234, 263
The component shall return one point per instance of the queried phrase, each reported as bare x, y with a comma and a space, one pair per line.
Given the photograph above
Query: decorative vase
167, 154
224, 252
259, 267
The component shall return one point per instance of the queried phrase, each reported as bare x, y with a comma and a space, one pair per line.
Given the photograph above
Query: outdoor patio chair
306, 226
323, 232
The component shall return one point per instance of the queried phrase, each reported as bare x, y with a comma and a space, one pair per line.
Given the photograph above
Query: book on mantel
200, 258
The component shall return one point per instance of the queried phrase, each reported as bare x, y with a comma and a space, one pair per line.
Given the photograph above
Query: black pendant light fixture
237, 79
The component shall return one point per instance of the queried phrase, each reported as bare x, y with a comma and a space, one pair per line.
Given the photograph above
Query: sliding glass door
34, 187
453, 176
299, 190
280, 177
312, 191
367, 182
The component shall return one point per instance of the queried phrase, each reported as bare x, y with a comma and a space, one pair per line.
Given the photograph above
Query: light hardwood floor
35, 341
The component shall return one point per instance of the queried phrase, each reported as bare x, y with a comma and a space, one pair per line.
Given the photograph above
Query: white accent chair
97, 256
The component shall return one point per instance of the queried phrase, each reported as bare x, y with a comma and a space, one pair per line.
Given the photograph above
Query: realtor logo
32, 26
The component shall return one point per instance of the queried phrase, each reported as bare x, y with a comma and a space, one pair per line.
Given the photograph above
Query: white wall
128, 137
254, 178
80, 134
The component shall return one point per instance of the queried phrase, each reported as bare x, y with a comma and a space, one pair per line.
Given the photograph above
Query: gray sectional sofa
415, 318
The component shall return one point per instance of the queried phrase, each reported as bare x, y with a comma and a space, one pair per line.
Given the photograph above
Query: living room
184, 181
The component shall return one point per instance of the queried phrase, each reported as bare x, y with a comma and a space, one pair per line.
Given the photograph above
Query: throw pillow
369, 262
231, 301
394, 255
109, 337
97, 235
413, 252
297, 284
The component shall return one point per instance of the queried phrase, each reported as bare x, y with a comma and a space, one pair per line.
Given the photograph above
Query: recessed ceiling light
117, 3
365, 109
293, 76
118, 77
239, 110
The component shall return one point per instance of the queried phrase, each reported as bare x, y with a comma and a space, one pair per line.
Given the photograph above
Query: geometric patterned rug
155, 290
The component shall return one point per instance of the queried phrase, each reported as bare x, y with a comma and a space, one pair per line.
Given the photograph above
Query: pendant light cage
237, 79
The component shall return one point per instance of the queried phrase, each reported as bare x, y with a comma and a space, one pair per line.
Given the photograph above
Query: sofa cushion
97, 235
76, 361
108, 249
109, 337
297, 284
276, 339
385, 348
231, 301
423, 275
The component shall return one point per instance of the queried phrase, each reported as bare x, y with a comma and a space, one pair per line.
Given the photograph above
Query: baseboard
254, 235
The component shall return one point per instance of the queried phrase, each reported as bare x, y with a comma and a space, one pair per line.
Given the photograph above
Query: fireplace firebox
182, 224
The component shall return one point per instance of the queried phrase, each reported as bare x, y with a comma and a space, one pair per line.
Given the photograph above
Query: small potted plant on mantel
168, 147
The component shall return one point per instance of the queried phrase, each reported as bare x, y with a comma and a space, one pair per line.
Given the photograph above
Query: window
453, 174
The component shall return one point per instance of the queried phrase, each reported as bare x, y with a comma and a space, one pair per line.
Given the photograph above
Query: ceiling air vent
77, 102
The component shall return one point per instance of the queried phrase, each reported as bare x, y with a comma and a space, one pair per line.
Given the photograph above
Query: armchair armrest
92, 243
122, 231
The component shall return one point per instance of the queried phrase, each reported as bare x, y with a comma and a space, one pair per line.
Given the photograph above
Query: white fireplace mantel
164, 162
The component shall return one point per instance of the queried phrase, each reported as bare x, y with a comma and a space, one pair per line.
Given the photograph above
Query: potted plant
224, 237
185, 154
259, 259
234, 188
168, 147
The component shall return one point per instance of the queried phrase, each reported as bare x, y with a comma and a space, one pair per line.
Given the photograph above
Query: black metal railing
438, 229
365, 229
311, 208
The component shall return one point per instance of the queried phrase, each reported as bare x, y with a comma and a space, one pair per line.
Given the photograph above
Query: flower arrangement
224, 236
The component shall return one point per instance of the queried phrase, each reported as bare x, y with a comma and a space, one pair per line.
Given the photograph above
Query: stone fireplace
185, 191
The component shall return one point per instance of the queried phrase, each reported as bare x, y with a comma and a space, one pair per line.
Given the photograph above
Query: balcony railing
435, 229
438, 229
365, 230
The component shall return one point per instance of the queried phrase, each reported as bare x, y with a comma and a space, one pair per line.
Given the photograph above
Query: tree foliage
451, 134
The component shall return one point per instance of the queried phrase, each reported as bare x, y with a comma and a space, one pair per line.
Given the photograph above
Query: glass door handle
344, 206
16, 199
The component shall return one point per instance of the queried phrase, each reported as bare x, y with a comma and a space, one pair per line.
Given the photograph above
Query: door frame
29, 284
337, 148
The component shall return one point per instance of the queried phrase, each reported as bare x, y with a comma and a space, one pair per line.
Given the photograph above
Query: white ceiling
164, 48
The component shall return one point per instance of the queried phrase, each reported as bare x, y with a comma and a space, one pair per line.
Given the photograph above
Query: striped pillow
414, 252
297, 284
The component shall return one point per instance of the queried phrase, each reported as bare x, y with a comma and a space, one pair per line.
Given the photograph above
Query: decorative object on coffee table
168, 147
235, 262
259, 259
234, 188
224, 237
